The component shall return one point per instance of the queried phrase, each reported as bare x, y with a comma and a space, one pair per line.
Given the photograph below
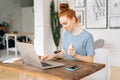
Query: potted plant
4, 26
31, 3
55, 25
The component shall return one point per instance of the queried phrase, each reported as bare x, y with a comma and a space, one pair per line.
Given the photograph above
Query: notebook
30, 57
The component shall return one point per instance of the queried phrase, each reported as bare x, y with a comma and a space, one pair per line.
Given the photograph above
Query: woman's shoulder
85, 32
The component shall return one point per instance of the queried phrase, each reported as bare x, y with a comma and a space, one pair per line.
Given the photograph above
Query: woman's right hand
48, 57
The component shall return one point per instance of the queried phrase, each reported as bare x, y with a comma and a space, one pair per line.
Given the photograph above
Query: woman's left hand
71, 51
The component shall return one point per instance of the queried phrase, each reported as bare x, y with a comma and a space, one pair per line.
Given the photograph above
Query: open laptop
30, 57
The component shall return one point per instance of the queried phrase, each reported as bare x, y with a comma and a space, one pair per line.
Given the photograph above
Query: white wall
48, 40
27, 20
39, 29
112, 42
10, 11
111, 36
43, 39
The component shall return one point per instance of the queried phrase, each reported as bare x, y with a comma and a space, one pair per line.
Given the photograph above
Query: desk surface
59, 73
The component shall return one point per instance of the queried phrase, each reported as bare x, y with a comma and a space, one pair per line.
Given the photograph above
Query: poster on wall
96, 14
80, 16
114, 18
79, 3
114, 22
114, 7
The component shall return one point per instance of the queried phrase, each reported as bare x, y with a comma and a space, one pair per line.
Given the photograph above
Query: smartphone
74, 68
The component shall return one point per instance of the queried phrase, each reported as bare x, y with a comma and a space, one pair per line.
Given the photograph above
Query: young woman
77, 43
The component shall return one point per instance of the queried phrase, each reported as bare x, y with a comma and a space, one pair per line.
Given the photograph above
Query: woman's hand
71, 50
48, 57
59, 55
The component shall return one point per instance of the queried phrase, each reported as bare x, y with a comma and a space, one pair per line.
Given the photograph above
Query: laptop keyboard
45, 64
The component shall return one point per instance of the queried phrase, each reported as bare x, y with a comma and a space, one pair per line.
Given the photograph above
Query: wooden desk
56, 73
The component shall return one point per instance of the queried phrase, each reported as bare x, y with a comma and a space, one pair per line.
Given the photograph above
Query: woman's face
67, 23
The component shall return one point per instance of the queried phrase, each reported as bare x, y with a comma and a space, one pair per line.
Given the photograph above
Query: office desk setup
59, 73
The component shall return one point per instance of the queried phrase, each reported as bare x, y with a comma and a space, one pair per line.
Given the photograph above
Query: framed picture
80, 15
60, 1
79, 3
114, 22
114, 7
96, 14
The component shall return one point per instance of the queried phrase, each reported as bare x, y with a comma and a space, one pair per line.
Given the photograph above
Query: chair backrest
99, 43
102, 56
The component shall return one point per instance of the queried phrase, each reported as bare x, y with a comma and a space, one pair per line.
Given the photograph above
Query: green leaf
55, 24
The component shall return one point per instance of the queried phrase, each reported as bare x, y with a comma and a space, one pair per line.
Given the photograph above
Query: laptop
30, 57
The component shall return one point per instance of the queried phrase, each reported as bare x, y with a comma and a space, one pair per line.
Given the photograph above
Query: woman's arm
53, 56
71, 51
83, 58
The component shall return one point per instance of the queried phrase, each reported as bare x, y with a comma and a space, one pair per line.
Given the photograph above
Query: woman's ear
73, 19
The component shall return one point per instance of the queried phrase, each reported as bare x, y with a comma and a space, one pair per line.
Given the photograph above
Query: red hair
65, 11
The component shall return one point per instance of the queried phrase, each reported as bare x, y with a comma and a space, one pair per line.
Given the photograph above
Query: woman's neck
76, 30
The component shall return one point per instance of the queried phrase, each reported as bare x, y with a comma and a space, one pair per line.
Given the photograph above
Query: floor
115, 72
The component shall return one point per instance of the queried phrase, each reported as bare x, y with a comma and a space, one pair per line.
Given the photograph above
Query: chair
99, 43
13, 49
102, 56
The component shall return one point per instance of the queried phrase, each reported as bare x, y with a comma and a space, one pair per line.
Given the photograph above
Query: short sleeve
90, 46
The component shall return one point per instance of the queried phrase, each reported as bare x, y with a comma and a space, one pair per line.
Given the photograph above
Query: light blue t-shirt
83, 43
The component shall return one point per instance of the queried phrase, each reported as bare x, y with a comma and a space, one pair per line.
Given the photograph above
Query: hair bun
64, 6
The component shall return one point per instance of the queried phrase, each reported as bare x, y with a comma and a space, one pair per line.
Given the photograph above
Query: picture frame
114, 22
97, 14
114, 7
61, 1
79, 3
80, 16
